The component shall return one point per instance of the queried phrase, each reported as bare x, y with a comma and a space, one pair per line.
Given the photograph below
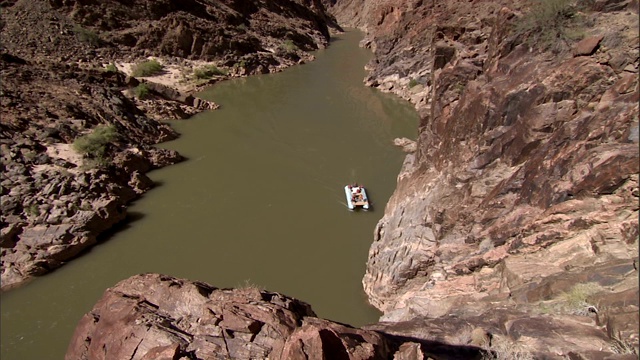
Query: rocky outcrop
56, 91
54, 203
159, 317
523, 187
257, 37
152, 316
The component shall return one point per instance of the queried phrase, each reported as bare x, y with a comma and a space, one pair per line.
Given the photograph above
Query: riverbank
63, 93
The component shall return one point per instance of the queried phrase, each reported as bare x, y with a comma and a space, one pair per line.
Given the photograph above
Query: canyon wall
513, 231
523, 187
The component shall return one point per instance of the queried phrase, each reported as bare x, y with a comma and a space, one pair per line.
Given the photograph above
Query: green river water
260, 201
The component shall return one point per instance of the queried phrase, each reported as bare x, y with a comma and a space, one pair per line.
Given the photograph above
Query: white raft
356, 197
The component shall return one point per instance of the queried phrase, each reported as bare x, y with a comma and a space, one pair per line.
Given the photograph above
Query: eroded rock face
153, 316
524, 182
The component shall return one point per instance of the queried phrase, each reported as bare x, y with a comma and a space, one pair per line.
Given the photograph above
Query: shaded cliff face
56, 200
524, 184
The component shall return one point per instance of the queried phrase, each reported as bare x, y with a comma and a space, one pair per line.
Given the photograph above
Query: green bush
240, 65
412, 83
547, 22
576, 301
290, 46
208, 71
33, 210
94, 144
141, 91
86, 36
111, 68
146, 68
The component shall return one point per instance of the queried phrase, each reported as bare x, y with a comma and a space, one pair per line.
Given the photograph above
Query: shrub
241, 65
546, 22
141, 91
94, 144
413, 83
146, 68
506, 349
33, 210
289, 45
249, 285
86, 36
208, 71
111, 68
576, 300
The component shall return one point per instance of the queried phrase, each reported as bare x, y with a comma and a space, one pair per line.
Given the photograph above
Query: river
260, 202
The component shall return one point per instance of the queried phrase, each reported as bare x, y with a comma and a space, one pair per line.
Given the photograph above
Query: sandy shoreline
177, 76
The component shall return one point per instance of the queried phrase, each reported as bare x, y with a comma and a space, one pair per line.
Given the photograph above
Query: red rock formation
159, 317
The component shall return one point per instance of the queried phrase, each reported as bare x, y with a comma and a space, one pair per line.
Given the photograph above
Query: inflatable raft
356, 197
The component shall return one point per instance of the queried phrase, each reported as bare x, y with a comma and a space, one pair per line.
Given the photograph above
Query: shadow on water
105, 236
127, 223
101, 239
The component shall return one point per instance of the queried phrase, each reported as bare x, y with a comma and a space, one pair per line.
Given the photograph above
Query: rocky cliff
153, 316
76, 131
169, 318
520, 202
513, 232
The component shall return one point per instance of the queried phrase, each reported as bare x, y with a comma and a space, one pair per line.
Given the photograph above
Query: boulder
154, 316
323, 339
587, 46
407, 145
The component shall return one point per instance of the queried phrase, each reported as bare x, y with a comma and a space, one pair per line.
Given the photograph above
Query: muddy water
260, 202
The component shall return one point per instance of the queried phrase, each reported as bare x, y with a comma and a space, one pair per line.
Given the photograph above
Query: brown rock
9, 234
409, 351
587, 46
322, 339
155, 316
407, 145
